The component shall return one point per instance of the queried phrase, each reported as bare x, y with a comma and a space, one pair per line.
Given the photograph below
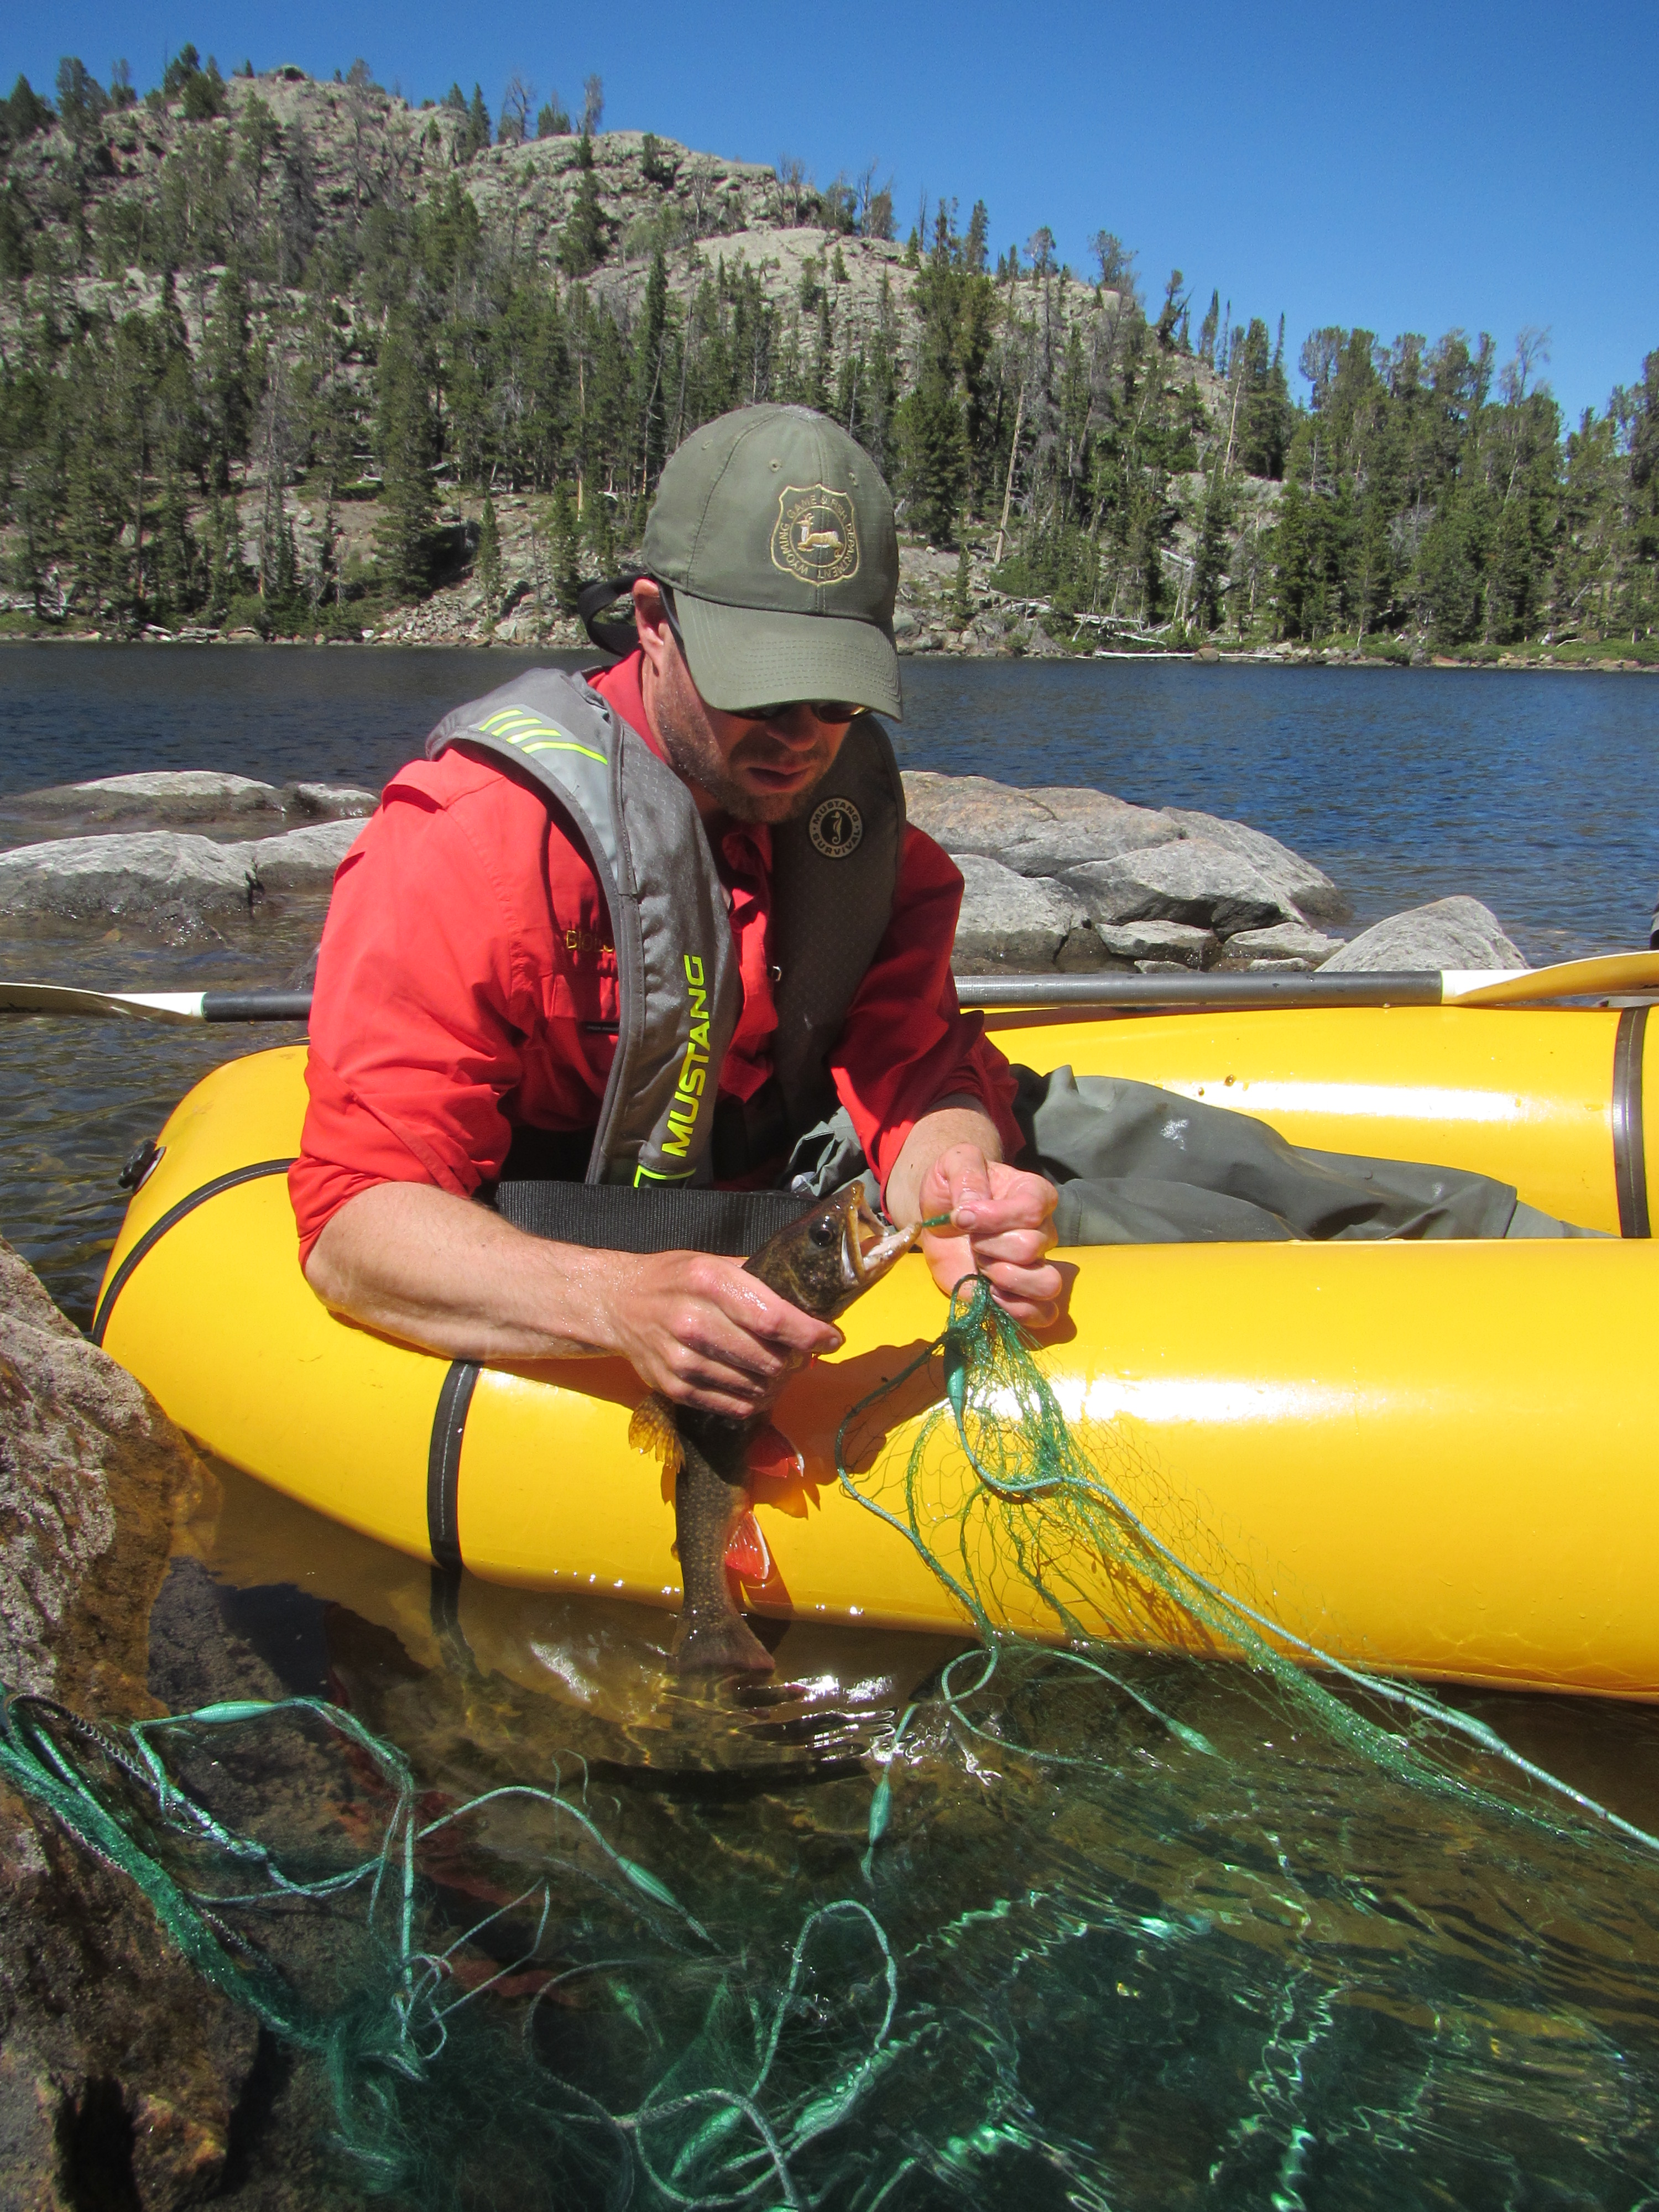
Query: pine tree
476, 135
564, 545
581, 245
406, 442
487, 563
961, 604
1210, 560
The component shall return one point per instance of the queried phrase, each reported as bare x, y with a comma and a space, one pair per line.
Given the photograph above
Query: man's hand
951, 1164
706, 1333
1000, 1229
441, 1272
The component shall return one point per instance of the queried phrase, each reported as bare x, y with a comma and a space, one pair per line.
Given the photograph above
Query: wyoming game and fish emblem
815, 536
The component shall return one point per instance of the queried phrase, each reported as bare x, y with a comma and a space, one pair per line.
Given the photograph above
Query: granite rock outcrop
122, 2069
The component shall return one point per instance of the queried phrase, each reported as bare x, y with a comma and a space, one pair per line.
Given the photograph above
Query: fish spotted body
820, 1263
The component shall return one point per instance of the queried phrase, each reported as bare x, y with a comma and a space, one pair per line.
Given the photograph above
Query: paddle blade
61, 999
1607, 975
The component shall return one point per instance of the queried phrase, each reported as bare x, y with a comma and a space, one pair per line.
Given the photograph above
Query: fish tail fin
716, 1641
651, 1430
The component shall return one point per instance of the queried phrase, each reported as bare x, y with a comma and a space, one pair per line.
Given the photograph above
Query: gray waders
1138, 1165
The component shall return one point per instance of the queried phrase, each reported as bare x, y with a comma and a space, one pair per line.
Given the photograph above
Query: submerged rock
122, 2067
1449, 933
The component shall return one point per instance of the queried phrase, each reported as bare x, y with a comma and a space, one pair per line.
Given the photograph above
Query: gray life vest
833, 875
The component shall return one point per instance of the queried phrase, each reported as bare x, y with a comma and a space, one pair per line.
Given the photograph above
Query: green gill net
1112, 1926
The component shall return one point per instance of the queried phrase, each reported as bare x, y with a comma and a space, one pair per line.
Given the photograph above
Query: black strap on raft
1630, 1166
617, 1218
616, 638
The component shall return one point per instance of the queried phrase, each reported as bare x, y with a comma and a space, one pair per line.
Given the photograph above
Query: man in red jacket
468, 991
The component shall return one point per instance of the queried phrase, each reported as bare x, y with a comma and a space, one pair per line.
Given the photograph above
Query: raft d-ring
142, 1163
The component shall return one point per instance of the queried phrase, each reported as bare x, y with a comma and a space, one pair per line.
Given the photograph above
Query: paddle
157, 1005
1611, 975
1608, 976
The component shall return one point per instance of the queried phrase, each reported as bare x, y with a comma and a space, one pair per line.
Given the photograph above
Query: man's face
752, 771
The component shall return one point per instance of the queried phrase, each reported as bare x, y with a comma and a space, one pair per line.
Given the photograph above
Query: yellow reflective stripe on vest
532, 735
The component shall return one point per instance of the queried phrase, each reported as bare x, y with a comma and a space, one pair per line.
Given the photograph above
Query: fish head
832, 1254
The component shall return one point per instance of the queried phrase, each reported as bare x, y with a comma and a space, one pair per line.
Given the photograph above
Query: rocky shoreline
1059, 879
940, 613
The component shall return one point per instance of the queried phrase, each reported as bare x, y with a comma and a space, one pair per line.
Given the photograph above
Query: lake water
1133, 1964
1532, 792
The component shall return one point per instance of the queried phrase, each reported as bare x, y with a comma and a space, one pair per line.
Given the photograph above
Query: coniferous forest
278, 354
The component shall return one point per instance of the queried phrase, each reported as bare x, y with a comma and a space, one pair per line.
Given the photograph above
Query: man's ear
651, 620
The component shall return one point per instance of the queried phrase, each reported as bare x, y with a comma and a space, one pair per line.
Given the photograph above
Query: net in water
1112, 1926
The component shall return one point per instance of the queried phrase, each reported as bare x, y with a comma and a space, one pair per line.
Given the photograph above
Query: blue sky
1413, 168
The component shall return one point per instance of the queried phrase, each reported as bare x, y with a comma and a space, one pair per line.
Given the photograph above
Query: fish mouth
868, 1248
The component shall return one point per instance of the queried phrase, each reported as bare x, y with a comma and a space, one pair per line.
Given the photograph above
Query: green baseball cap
776, 533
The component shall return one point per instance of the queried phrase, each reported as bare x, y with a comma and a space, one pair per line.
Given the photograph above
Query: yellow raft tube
1435, 1459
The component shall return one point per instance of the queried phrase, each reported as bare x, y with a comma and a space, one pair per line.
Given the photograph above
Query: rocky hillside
310, 333
284, 357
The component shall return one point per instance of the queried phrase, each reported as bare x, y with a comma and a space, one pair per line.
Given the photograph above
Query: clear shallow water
1268, 1977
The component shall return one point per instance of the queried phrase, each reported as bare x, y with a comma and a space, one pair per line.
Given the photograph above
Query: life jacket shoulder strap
677, 975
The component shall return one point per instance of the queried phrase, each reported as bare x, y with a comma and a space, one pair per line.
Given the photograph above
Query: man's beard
695, 755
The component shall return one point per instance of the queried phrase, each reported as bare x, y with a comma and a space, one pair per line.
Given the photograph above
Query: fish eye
822, 1233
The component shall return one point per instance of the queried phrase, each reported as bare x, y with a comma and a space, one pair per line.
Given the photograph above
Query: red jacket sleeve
906, 1043
420, 1006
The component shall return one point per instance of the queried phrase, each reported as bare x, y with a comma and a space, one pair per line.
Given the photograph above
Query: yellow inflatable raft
1437, 1458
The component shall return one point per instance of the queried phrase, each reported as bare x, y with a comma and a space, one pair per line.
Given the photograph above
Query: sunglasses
825, 710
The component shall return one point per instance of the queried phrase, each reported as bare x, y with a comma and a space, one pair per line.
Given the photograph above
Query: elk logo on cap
816, 537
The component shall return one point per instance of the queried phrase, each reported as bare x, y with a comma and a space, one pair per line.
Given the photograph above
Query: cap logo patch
835, 826
816, 537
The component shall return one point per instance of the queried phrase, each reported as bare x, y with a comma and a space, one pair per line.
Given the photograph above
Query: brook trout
820, 1263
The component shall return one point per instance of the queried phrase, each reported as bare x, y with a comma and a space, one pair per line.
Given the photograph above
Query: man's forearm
432, 1268
955, 1121
440, 1272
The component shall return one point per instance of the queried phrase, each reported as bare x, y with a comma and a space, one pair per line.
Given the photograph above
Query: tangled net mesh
488, 1971
1036, 1531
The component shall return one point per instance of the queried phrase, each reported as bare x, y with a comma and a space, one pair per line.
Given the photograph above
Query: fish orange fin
651, 1430
772, 1455
746, 1553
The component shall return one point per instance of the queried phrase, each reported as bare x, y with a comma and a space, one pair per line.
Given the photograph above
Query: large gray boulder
1057, 831
1450, 933
1009, 920
1292, 942
105, 2027
1034, 833
186, 799
168, 881
1192, 880
304, 859
1307, 888
189, 794
1182, 943
327, 802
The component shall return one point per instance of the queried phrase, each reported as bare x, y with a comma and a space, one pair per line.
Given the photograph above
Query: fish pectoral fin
651, 1430
746, 1552
772, 1455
